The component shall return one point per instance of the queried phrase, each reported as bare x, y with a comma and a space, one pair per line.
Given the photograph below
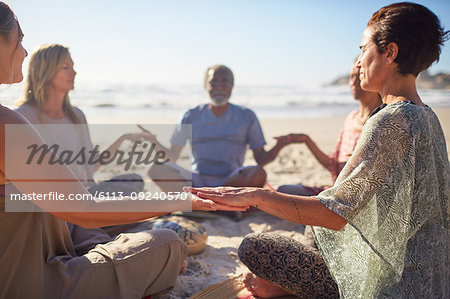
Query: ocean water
269, 102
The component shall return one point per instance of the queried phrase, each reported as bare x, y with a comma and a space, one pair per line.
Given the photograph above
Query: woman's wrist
261, 195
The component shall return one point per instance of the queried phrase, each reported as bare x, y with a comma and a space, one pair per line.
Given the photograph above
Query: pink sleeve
347, 141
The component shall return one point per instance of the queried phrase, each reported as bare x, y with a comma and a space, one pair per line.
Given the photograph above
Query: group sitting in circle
381, 229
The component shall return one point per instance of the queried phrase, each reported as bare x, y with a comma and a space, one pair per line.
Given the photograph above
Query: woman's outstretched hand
144, 135
229, 197
205, 204
292, 138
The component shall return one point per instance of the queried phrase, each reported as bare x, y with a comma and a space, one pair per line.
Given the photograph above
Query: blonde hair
44, 64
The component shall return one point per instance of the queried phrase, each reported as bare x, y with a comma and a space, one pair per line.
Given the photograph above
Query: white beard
219, 101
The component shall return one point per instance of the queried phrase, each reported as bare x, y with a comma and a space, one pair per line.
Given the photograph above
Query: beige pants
38, 260
133, 265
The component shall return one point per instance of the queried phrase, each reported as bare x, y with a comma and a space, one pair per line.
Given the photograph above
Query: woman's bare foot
184, 267
262, 288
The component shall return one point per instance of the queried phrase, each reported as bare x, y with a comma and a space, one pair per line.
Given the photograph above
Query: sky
265, 42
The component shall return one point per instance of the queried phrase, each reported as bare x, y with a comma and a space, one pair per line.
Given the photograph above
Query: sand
294, 164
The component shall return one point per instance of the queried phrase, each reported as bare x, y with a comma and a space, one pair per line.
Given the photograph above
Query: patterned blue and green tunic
394, 193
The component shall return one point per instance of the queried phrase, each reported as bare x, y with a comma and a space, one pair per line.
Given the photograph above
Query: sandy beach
294, 164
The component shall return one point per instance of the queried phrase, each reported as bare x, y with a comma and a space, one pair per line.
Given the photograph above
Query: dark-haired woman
382, 229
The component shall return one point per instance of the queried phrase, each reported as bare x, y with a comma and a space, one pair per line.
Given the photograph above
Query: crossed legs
282, 266
171, 177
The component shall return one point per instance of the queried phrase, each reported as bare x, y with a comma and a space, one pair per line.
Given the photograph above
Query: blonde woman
46, 103
51, 77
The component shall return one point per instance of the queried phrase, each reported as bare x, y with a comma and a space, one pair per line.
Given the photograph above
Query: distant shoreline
439, 81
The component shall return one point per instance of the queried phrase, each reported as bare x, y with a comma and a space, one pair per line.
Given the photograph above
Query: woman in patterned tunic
382, 229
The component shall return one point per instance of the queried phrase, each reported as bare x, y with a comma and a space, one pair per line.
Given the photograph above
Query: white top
66, 135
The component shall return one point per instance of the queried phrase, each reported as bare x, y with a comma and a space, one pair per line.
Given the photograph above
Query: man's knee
155, 172
168, 179
257, 177
252, 176
292, 189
